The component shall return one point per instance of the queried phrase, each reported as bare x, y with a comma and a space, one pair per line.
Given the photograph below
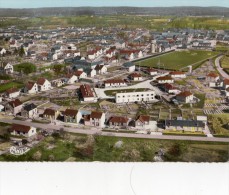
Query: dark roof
21, 128
184, 123
29, 107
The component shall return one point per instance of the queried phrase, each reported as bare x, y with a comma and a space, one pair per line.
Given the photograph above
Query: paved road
219, 68
130, 135
144, 84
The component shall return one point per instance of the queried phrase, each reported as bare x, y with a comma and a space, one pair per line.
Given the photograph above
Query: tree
26, 68
21, 52
57, 68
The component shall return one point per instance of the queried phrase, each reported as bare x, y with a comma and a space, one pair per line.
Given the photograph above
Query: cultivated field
178, 59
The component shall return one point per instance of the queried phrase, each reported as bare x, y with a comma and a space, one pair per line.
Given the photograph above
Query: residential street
221, 71
98, 131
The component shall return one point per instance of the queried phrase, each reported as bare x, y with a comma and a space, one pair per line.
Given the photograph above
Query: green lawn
225, 63
4, 87
219, 124
113, 92
178, 59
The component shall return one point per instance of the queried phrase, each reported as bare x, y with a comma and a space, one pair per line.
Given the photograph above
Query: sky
137, 3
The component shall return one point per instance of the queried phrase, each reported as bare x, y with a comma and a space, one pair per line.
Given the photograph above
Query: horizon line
113, 6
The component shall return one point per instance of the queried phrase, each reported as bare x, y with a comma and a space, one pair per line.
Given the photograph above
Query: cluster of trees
25, 68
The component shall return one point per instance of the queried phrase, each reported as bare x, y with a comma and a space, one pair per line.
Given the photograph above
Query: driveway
219, 68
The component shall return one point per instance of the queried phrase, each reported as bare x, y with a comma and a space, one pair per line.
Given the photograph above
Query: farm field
178, 59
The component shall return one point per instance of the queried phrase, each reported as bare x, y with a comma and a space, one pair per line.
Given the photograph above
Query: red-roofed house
12, 93
170, 88
87, 94
14, 106
118, 121
136, 76
22, 130
72, 116
101, 69
177, 74
212, 77
96, 119
80, 74
31, 88
165, 79
185, 97
43, 84
151, 71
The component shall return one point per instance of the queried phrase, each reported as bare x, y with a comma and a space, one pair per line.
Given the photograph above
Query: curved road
220, 69
94, 131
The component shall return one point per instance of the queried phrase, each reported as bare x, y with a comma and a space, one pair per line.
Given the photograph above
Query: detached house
177, 74
71, 78
43, 84
8, 68
22, 130
129, 66
170, 88
101, 69
212, 77
50, 114
12, 93
142, 121
151, 71
165, 79
72, 116
136, 76
87, 94
31, 88
96, 119
14, 106
80, 74
29, 111
118, 121
185, 97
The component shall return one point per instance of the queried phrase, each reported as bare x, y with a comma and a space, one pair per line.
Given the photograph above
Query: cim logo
18, 151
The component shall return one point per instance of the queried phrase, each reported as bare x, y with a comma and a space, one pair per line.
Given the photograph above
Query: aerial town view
114, 84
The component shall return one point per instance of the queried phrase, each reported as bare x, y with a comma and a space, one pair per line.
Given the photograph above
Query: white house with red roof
135, 76
169, 88
71, 78
185, 97
31, 88
80, 74
143, 122
87, 94
101, 69
12, 93
95, 119
43, 84
165, 79
22, 130
212, 77
177, 74
151, 71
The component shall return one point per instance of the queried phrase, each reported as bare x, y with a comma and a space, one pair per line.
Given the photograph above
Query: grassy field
122, 21
177, 60
98, 148
219, 124
225, 63
4, 87
113, 92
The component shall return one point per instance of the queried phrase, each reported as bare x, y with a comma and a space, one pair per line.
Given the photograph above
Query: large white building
146, 96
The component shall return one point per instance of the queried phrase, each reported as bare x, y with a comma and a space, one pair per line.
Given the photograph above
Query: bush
26, 68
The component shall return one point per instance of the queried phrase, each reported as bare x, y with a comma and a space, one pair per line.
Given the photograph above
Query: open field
4, 87
225, 63
122, 21
177, 60
98, 148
